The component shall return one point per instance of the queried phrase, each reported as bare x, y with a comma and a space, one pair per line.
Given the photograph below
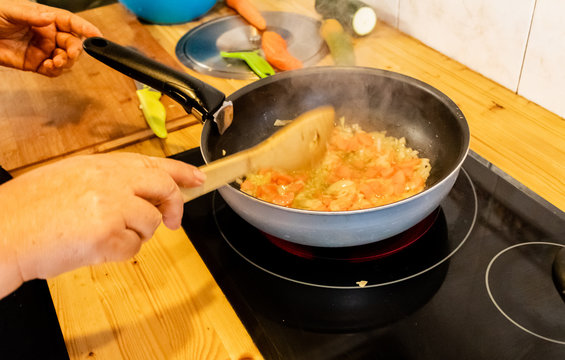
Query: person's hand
39, 38
86, 210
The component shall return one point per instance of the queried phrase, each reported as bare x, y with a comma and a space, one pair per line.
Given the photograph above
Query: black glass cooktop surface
473, 283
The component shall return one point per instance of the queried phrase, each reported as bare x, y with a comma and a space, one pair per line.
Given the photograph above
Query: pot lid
199, 49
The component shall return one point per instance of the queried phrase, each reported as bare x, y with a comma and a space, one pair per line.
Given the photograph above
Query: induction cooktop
475, 284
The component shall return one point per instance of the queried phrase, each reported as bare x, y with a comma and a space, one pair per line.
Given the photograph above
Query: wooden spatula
297, 145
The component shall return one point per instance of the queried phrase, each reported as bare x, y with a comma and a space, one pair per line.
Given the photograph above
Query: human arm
40, 38
86, 210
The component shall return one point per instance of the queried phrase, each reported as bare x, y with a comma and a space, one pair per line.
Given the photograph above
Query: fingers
158, 188
53, 36
70, 43
63, 57
48, 68
71, 23
159, 184
122, 246
34, 14
141, 217
68, 47
183, 174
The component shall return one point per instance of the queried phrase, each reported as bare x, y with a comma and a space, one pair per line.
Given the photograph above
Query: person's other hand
40, 38
86, 210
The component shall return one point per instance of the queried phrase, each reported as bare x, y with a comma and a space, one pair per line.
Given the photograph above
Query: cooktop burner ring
461, 228
499, 307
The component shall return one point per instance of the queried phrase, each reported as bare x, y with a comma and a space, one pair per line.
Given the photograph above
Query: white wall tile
543, 75
387, 10
488, 36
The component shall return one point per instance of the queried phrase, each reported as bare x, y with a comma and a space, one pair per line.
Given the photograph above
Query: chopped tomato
360, 170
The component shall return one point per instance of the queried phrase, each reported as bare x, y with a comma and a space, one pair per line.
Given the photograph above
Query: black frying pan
376, 99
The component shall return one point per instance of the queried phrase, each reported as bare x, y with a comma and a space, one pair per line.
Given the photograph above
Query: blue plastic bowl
168, 11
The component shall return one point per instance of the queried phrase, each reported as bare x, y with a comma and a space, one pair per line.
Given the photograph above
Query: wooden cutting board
90, 108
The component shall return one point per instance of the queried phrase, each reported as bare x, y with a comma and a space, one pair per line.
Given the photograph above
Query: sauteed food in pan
360, 170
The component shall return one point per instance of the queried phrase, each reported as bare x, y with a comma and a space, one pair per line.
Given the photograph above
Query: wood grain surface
164, 303
88, 106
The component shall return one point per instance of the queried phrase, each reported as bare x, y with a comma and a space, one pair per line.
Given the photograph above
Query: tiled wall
518, 43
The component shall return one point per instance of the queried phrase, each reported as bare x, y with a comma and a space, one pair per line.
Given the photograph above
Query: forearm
10, 275
13, 230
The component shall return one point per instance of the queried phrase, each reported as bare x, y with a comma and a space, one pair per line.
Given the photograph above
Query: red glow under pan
372, 251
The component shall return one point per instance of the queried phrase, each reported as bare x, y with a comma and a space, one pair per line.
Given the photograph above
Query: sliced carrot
343, 172
276, 53
249, 12
280, 178
295, 187
339, 143
283, 199
358, 164
373, 171
247, 186
399, 177
267, 192
367, 190
343, 202
364, 138
398, 182
387, 172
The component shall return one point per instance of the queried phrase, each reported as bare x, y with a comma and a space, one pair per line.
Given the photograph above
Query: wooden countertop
163, 303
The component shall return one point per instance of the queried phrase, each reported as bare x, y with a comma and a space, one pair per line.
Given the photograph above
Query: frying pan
375, 99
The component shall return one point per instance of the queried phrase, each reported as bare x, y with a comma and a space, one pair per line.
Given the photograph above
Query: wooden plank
42, 118
162, 304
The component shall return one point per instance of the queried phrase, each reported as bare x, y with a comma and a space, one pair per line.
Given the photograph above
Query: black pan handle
191, 93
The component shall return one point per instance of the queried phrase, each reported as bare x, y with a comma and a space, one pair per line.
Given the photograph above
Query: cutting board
90, 108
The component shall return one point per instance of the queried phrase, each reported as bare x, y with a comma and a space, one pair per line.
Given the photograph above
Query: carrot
247, 186
387, 172
344, 172
283, 199
267, 192
295, 187
276, 53
280, 178
249, 12
398, 182
343, 202
338, 142
364, 139
367, 190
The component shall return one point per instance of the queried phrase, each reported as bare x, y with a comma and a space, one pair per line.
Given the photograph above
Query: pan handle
195, 96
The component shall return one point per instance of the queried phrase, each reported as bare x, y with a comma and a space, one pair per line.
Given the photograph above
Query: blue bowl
168, 11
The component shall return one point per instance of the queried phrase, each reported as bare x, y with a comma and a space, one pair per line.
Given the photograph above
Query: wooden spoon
297, 145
